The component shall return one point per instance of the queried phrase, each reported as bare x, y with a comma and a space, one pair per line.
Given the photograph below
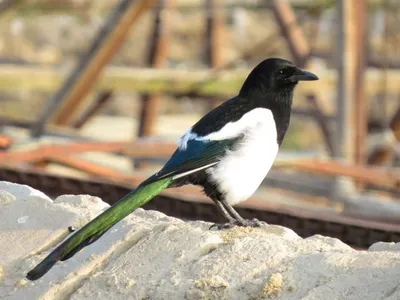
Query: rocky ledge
149, 255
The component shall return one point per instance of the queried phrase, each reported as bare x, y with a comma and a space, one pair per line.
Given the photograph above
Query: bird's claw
229, 225
221, 226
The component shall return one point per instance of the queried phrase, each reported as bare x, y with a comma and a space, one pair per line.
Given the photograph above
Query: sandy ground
149, 255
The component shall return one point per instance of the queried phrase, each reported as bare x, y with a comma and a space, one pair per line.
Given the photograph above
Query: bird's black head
274, 75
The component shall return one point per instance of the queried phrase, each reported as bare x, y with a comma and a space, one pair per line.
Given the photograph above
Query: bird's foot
251, 223
221, 226
242, 223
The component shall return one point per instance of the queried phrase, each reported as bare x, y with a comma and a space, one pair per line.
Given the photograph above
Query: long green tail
98, 226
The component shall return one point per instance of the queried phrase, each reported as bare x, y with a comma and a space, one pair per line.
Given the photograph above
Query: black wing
199, 155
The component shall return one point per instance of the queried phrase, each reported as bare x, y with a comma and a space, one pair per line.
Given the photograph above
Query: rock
273, 285
381, 246
149, 255
6, 198
1, 272
21, 190
30, 222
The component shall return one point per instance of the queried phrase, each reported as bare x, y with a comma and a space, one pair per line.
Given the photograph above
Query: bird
228, 152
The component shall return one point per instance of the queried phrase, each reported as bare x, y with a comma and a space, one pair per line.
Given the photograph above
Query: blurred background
95, 94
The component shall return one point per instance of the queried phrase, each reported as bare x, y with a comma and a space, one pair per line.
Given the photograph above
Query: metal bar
79, 82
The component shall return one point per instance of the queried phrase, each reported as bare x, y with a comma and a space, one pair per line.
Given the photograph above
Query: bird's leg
234, 219
239, 220
227, 216
224, 212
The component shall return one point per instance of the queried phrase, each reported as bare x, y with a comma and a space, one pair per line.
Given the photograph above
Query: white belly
241, 172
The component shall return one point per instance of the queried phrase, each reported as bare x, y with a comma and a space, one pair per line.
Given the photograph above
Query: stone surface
149, 255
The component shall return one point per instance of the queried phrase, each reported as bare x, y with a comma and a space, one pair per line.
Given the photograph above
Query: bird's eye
285, 72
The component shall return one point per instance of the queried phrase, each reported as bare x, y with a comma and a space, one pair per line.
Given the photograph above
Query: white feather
241, 171
230, 130
193, 171
182, 143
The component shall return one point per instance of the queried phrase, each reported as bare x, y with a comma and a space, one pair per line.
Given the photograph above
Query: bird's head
274, 75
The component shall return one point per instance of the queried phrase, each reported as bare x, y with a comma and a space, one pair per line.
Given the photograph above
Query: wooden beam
183, 5
322, 122
81, 80
9, 4
372, 60
101, 100
346, 81
381, 156
301, 52
360, 100
5, 141
158, 58
139, 148
291, 30
363, 174
110, 174
151, 149
214, 39
215, 33
384, 155
395, 124
92, 168
179, 82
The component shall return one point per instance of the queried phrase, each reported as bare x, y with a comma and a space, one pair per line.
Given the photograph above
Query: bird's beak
301, 75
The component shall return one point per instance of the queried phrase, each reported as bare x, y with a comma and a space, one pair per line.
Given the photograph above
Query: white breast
242, 170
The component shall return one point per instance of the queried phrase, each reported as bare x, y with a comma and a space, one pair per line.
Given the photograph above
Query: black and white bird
228, 153
236, 144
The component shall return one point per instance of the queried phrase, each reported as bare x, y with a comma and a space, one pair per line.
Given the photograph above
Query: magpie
228, 153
